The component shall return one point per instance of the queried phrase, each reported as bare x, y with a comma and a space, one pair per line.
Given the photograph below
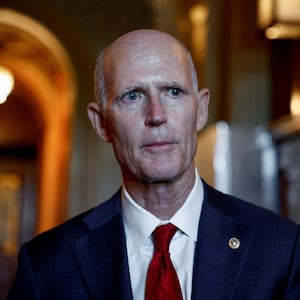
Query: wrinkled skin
152, 117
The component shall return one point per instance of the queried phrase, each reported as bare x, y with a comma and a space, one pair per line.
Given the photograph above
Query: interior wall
238, 65
46, 83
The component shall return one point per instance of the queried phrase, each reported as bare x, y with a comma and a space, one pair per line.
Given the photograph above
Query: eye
131, 96
174, 92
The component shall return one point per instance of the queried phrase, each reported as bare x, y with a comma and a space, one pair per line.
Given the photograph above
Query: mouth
158, 146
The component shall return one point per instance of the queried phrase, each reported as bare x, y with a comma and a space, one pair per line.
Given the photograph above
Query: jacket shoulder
244, 211
59, 237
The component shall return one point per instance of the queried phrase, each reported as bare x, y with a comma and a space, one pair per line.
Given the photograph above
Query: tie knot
162, 237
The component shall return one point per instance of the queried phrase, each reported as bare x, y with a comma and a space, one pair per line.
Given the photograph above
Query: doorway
35, 135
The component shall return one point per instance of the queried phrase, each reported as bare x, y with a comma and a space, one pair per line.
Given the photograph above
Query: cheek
189, 129
189, 120
123, 132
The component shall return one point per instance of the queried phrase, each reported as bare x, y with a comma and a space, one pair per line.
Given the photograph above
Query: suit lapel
217, 266
102, 257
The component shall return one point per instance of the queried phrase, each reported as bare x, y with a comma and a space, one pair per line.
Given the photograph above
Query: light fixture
198, 15
280, 19
6, 83
295, 104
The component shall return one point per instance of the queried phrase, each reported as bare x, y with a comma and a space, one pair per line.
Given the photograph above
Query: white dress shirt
139, 225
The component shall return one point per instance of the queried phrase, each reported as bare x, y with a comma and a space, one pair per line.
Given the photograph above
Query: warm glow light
283, 31
287, 10
272, 33
279, 18
198, 14
264, 13
295, 104
6, 83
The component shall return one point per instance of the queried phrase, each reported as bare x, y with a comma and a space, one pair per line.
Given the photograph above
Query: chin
162, 175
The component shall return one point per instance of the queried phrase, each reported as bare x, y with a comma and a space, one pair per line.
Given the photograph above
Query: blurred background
53, 166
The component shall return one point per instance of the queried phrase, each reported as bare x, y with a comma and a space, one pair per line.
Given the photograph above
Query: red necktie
162, 281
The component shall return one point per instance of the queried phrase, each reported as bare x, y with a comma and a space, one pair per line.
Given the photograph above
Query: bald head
140, 46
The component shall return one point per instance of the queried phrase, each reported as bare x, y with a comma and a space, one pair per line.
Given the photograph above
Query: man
150, 109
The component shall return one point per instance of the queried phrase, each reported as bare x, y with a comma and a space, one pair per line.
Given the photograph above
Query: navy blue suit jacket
86, 258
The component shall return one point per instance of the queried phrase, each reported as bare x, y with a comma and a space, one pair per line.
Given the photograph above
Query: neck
162, 199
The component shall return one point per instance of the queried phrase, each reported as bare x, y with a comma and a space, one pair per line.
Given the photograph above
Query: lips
159, 146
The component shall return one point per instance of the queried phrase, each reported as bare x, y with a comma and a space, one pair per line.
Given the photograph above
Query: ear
202, 112
98, 121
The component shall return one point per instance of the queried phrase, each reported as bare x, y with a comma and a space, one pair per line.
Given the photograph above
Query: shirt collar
139, 223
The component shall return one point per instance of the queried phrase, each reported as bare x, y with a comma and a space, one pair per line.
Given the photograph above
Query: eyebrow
175, 84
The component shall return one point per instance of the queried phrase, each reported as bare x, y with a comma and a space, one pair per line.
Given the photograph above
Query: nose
155, 112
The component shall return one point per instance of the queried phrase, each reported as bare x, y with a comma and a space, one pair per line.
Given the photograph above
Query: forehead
135, 59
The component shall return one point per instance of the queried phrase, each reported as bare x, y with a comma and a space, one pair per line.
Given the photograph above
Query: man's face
152, 114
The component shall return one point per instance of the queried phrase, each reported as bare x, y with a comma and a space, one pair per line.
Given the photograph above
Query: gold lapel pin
234, 243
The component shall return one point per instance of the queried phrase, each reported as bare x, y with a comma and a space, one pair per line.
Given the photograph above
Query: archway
45, 80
